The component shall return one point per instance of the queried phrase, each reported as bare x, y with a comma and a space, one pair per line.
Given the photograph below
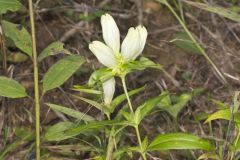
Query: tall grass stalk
36, 87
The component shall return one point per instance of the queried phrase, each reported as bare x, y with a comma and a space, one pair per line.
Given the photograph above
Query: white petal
108, 90
103, 53
130, 45
111, 33
143, 36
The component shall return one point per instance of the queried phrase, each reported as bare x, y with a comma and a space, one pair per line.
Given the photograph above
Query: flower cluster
110, 55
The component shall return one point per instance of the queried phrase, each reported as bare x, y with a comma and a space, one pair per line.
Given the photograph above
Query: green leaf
93, 125
230, 14
25, 136
100, 75
225, 114
56, 132
70, 112
19, 35
174, 109
17, 57
141, 64
11, 88
183, 41
143, 110
9, 5
219, 104
61, 71
91, 102
91, 16
212, 156
66, 130
53, 49
179, 141
69, 149
163, 1
119, 99
86, 89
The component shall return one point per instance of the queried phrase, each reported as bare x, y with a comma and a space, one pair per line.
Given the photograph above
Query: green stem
110, 145
126, 93
136, 127
140, 143
195, 42
36, 87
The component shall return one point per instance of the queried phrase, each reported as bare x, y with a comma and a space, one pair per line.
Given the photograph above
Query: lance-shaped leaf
61, 71
174, 109
100, 75
66, 130
216, 9
56, 132
212, 156
179, 141
11, 88
9, 5
53, 49
141, 64
119, 99
225, 114
182, 40
143, 110
70, 112
19, 35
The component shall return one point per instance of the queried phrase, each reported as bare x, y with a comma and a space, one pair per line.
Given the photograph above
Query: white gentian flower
109, 54
132, 46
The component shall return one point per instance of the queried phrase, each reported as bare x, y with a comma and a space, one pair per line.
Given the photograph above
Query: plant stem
195, 42
110, 144
140, 143
126, 93
131, 108
36, 87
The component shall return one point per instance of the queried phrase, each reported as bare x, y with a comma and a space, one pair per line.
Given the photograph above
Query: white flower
108, 91
109, 54
132, 46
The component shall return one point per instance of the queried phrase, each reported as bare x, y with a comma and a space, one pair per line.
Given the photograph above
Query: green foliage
17, 57
61, 71
141, 64
9, 5
19, 35
24, 136
70, 112
100, 75
91, 102
119, 99
174, 105
66, 130
212, 156
216, 9
91, 16
143, 110
182, 40
53, 49
179, 141
225, 114
86, 89
56, 132
11, 88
